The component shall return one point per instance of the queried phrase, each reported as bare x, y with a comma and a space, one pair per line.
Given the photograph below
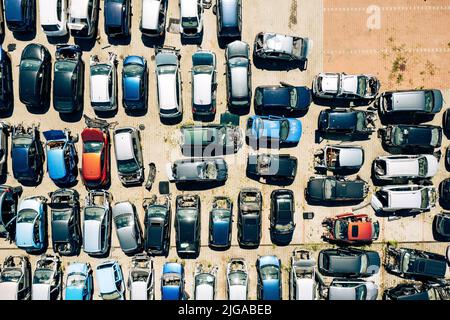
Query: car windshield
220, 215
93, 213
30, 64
360, 292
293, 97
204, 278
425, 198
58, 215
328, 188
238, 278
100, 69
340, 229
284, 129
111, 296
398, 136
124, 220
21, 142
202, 69
127, 166
429, 101
269, 272
167, 70
189, 22
157, 211
362, 86
42, 276
132, 70
405, 262
423, 166
434, 137
361, 121
11, 275
76, 280
92, 146
364, 262
26, 216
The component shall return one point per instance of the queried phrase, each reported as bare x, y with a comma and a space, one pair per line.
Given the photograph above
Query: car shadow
398, 213
224, 41
271, 65
281, 240
120, 41
408, 151
412, 119
436, 235
340, 103
153, 42
188, 255
71, 117
271, 181
331, 203
192, 40
106, 114
219, 249
248, 247
206, 118
136, 112
341, 137
198, 186
240, 111
57, 40
86, 44
171, 121
25, 35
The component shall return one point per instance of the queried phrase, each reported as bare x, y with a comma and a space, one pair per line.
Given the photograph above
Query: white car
191, 18
302, 281
141, 278
203, 83
83, 16
205, 282
153, 17
237, 279
53, 15
413, 198
405, 166
103, 83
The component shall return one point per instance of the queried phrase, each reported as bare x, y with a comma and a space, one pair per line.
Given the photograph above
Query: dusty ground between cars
334, 32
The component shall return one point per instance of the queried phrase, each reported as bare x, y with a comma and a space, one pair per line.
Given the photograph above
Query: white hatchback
53, 15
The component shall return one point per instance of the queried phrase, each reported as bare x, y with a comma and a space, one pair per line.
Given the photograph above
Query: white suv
412, 198
405, 166
103, 81
53, 15
191, 18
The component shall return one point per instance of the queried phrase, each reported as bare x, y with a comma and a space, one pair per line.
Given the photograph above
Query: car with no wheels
411, 138
173, 282
134, 83
238, 75
441, 225
129, 159
303, 284
237, 279
200, 170
282, 216
187, 224
272, 167
220, 222
128, 228
6, 81
410, 102
15, 278
204, 83
153, 18
79, 282
110, 280
418, 291
9, 198
273, 130
117, 18
339, 158
346, 122
103, 83
205, 282
157, 222
269, 278
350, 229
191, 18
141, 278
31, 224
335, 189
20, 15
283, 99
249, 217
352, 289
229, 18
47, 278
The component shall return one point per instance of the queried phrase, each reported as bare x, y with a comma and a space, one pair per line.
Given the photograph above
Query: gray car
410, 102
128, 152
269, 45
239, 74
128, 228
198, 170
348, 262
355, 289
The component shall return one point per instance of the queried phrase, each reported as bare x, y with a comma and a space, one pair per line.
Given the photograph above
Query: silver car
128, 152
128, 228
103, 83
141, 278
354, 289
205, 282
270, 45
239, 74
237, 279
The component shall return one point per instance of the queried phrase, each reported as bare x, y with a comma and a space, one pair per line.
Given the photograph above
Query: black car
68, 82
220, 222
441, 225
158, 214
346, 122
20, 15
418, 291
414, 264
348, 262
444, 192
65, 221
283, 99
117, 18
9, 197
187, 224
282, 210
272, 166
249, 217
35, 75
229, 18
335, 189
411, 137
6, 81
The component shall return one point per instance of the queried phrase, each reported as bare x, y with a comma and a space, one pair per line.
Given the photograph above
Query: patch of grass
393, 243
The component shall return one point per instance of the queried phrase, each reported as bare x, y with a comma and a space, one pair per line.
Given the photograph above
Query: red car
95, 159
349, 228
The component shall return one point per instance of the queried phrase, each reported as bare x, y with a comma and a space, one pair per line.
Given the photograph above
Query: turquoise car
79, 282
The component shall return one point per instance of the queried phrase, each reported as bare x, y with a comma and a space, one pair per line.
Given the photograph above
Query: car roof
13, 10
123, 145
360, 230
113, 13
405, 199
79, 9
408, 100
220, 231
229, 9
100, 88
105, 278
204, 292
238, 292
40, 291
167, 91
9, 290
56, 163
138, 290
150, 14
278, 42
202, 88
48, 12
339, 120
341, 293
91, 236
271, 289
304, 289
24, 234
329, 82
239, 85
188, 8
350, 157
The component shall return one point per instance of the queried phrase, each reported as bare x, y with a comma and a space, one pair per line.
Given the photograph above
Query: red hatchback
349, 228
95, 159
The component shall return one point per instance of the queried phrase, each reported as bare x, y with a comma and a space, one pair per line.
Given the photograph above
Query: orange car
95, 159
349, 228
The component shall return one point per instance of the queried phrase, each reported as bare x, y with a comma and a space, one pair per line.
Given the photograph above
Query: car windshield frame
26, 215
270, 272
127, 166
94, 213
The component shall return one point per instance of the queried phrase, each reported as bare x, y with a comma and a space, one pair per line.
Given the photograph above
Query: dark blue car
6, 86
134, 83
220, 222
27, 154
20, 15
283, 99
61, 156
117, 18
269, 278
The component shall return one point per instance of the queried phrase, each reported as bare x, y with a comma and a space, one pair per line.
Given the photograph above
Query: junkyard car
335, 189
4, 133
68, 81
350, 229
441, 225
15, 278
31, 224
339, 158
79, 282
35, 75
65, 221
414, 264
282, 216
237, 279
117, 18
20, 15
172, 281
418, 291
205, 282
187, 224
134, 83
168, 81
405, 167
129, 159
303, 283
269, 45
198, 170
6, 81
411, 138
410, 102
229, 18
269, 278
249, 217
153, 17
97, 223
110, 280
141, 278
346, 122
348, 262
191, 18
203, 83
282, 99
220, 222
352, 289
238, 74
412, 198
272, 167
273, 130
103, 83
47, 279
157, 221
53, 16
83, 18
345, 86
9, 198
62, 156
210, 140
27, 154
128, 228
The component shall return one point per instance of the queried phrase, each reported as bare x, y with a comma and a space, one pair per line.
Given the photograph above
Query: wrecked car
350, 228
15, 278
141, 278
47, 278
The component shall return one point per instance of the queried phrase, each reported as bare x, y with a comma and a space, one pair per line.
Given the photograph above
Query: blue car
273, 129
31, 224
134, 83
61, 156
172, 281
220, 222
6, 81
110, 280
79, 282
269, 278
20, 15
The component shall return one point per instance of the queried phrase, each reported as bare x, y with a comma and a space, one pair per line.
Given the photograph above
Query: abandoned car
47, 278
350, 229
198, 170
249, 217
339, 158
220, 222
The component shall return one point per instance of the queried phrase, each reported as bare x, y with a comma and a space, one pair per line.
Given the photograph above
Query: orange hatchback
95, 162
349, 228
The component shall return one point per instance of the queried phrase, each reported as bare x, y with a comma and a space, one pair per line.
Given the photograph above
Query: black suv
187, 224
282, 209
249, 217
158, 214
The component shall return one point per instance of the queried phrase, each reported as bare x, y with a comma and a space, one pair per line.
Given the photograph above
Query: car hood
220, 232
9, 290
24, 235
40, 291
91, 166
271, 289
74, 293
126, 238
92, 236
60, 231
56, 164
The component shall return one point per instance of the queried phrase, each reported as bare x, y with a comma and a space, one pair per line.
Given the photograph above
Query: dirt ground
325, 26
